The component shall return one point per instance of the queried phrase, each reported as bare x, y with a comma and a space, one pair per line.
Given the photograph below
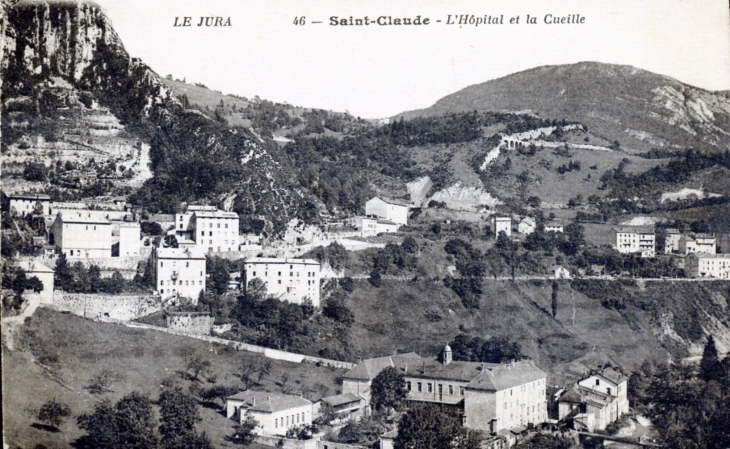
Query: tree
710, 366
336, 308
554, 302
244, 433
198, 365
545, 441
426, 427
219, 392
101, 382
54, 412
130, 423
178, 416
218, 278
375, 278
62, 276
388, 389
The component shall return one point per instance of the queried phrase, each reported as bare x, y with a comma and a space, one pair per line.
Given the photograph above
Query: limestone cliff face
56, 38
194, 158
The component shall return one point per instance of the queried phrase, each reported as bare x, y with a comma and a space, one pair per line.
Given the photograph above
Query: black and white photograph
365, 225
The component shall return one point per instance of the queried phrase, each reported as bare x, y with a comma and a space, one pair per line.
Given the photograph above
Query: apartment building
290, 280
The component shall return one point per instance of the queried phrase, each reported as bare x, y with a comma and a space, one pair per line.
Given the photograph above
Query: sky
378, 71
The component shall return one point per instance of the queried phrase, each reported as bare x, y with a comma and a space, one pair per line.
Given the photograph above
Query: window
210, 234
226, 225
598, 381
408, 386
219, 225
451, 389
187, 264
420, 386
72, 252
276, 423
461, 391
254, 274
287, 420
608, 390
279, 281
202, 233
279, 273
430, 387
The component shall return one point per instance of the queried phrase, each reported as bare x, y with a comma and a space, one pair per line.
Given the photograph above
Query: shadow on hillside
46, 427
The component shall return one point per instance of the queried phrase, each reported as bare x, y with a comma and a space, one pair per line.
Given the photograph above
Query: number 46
300, 20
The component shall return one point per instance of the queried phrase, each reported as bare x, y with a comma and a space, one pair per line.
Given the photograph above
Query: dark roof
613, 375
30, 196
393, 201
457, 370
369, 368
572, 396
634, 229
508, 375
341, 399
263, 401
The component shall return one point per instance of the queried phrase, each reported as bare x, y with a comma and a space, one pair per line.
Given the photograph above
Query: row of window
284, 422
180, 282
429, 388
174, 264
291, 274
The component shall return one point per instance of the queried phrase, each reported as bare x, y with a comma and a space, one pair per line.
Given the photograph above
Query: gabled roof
633, 229
528, 221
388, 222
341, 399
456, 370
215, 214
29, 196
395, 202
265, 402
369, 368
573, 396
508, 375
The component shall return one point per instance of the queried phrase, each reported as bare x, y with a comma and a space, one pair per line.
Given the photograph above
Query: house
699, 243
81, 234
704, 265
178, 271
388, 209
369, 226
561, 272
505, 397
126, 237
290, 280
345, 405
43, 273
25, 204
211, 229
502, 224
553, 226
633, 239
671, 242
486, 396
596, 401
526, 226
275, 412
387, 439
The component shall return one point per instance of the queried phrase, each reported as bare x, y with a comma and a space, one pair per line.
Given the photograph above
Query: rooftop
265, 402
709, 256
179, 253
341, 399
633, 229
508, 375
29, 196
273, 260
393, 201
82, 217
412, 365
215, 214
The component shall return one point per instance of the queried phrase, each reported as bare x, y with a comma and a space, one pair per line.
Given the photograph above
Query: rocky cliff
193, 157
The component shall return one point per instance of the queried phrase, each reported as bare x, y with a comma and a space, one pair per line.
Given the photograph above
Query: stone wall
286, 443
196, 323
112, 263
106, 307
240, 346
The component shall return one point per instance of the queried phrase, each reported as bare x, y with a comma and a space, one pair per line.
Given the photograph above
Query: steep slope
193, 157
640, 109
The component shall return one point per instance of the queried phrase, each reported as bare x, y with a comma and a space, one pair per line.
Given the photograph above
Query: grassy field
144, 358
423, 316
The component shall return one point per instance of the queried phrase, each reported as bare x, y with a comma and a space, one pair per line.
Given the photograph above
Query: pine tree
710, 366
555, 298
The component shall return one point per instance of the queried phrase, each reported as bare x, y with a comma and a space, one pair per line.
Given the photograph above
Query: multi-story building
81, 234
634, 239
596, 401
671, 241
275, 412
502, 224
290, 280
527, 226
369, 226
125, 238
699, 243
506, 396
179, 271
211, 229
25, 204
704, 265
388, 209
488, 397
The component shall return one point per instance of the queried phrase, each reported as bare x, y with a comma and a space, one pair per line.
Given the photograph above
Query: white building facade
179, 272
388, 209
502, 224
81, 234
290, 280
275, 412
25, 204
704, 265
634, 240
